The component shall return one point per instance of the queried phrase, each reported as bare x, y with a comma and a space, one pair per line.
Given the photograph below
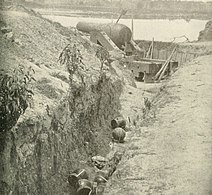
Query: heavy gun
118, 33
114, 36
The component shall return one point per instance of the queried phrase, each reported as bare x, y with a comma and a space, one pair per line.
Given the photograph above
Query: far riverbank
99, 12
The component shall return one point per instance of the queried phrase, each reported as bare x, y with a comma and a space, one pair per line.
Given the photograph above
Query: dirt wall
64, 127
41, 151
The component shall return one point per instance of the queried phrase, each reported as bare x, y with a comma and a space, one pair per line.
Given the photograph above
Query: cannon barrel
118, 33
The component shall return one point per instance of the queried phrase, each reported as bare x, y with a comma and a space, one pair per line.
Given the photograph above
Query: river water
146, 29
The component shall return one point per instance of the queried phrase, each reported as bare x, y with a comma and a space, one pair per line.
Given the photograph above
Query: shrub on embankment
15, 95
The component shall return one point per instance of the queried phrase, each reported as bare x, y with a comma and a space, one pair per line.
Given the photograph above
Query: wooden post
123, 12
112, 12
175, 57
170, 69
158, 54
186, 55
132, 29
152, 48
181, 58
132, 22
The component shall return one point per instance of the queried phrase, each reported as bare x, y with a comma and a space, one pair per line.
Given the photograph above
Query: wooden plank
152, 60
136, 46
165, 64
148, 52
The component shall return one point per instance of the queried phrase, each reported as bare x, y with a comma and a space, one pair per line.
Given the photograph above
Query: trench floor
172, 152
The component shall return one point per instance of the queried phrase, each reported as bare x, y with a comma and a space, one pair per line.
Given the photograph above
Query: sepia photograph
105, 97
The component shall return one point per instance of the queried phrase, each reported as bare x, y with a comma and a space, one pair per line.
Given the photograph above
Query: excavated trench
64, 129
138, 115
40, 152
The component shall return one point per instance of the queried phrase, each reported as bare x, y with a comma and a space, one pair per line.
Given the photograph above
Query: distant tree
39, 1
1, 3
81, 2
18, 1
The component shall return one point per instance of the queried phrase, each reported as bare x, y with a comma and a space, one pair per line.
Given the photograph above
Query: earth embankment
63, 128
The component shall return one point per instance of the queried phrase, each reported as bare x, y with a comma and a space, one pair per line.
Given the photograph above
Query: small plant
15, 95
144, 112
71, 57
147, 103
103, 55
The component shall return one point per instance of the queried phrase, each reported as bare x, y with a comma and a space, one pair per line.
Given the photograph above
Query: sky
198, 0
170, 0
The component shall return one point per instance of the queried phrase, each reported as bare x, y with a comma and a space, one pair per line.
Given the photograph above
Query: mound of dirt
206, 34
63, 127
